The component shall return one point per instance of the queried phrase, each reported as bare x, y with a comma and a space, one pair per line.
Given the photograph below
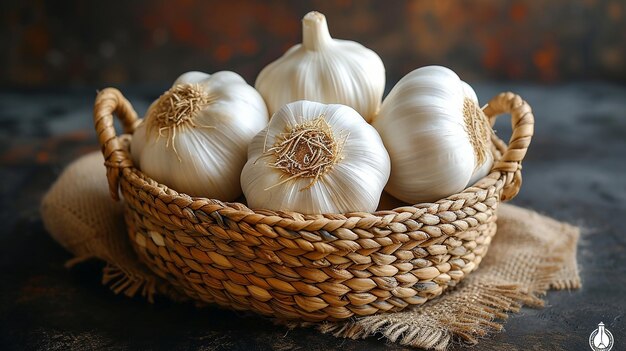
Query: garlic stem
315, 33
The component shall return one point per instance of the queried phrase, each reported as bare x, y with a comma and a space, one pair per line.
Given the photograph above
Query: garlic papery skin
325, 70
314, 158
435, 133
195, 137
484, 168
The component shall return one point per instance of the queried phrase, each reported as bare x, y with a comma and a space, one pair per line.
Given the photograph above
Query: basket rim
144, 181
503, 179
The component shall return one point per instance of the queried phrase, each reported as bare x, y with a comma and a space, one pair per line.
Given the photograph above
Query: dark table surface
575, 171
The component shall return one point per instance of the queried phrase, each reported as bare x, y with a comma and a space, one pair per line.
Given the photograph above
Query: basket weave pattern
310, 267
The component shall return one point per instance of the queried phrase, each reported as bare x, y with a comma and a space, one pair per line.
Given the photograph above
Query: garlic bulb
437, 136
325, 70
195, 137
314, 158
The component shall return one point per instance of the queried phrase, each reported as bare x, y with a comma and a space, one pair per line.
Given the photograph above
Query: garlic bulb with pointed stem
315, 158
438, 138
325, 70
195, 137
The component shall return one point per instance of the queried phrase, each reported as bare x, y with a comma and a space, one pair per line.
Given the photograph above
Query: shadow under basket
310, 267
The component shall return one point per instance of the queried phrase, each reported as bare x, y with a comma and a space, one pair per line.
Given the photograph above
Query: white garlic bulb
314, 158
437, 136
195, 137
325, 70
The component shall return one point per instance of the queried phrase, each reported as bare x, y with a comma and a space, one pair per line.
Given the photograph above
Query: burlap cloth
530, 254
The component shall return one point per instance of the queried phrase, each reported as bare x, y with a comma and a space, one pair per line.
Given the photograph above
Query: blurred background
114, 42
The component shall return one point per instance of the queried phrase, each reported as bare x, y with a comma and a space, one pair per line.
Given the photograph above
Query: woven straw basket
310, 267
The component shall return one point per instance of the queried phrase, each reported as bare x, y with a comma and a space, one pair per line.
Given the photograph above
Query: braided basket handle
522, 122
108, 102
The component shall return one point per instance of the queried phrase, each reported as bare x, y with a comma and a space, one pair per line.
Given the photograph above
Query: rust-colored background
113, 42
